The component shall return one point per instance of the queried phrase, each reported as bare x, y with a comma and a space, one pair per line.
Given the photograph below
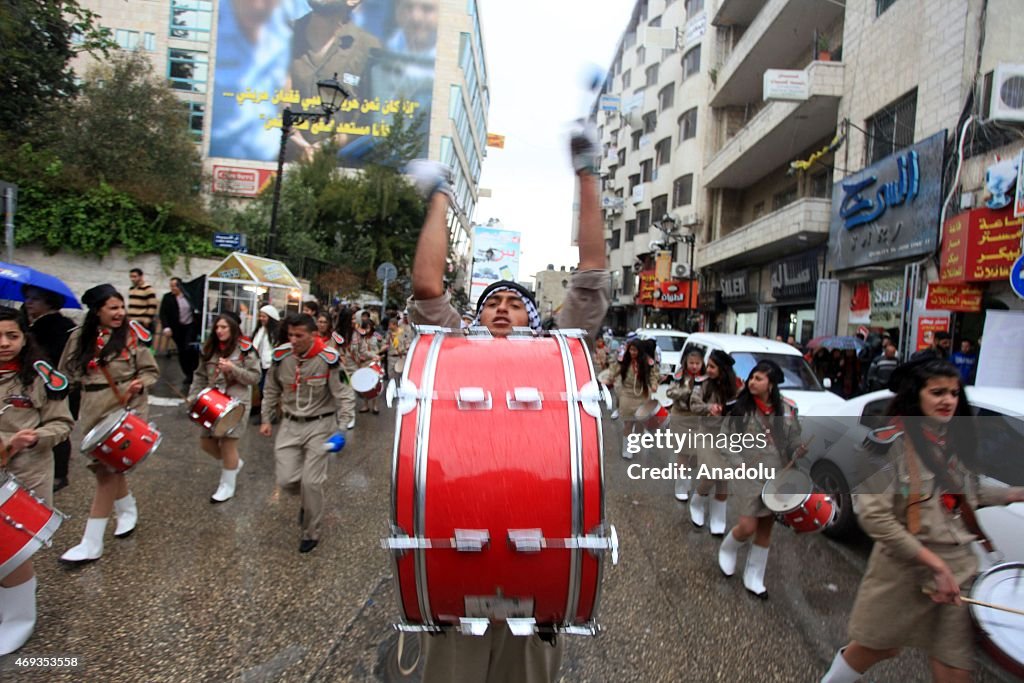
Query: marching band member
107, 355
498, 655
350, 345
713, 398
34, 418
919, 509
635, 381
372, 342
400, 337
323, 326
688, 377
309, 383
759, 409
229, 365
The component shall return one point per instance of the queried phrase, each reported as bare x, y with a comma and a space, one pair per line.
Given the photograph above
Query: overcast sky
537, 53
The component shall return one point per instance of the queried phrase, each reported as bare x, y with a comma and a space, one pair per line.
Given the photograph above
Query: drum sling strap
121, 398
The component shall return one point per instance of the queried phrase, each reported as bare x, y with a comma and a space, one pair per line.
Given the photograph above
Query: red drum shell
368, 382
653, 415
37, 521
121, 441
792, 498
497, 467
217, 412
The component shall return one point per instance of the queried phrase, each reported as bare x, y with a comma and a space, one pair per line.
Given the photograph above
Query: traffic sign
1017, 276
235, 241
386, 272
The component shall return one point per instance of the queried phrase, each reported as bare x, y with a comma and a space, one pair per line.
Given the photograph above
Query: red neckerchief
762, 406
222, 347
102, 335
315, 348
11, 366
950, 501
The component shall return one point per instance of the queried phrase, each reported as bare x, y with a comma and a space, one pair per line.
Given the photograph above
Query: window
643, 10
659, 206
641, 54
634, 180
688, 124
781, 199
126, 40
191, 19
195, 118
882, 5
758, 210
625, 79
655, 22
652, 75
682, 190
691, 62
647, 170
149, 41
666, 97
663, 151
693, 7
630, 230
616, 239
643, 221
187, 69
622, 157
821, 185
892, 128
636, 135
628, 279
650, 121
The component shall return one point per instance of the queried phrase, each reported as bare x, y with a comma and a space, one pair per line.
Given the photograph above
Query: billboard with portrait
495, 257
271, 54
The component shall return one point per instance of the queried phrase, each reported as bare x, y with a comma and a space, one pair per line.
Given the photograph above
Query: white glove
584, 147
429, 177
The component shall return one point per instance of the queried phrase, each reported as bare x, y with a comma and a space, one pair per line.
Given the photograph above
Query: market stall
242, 283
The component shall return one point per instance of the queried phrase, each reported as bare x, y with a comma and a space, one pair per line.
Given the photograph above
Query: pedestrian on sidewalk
108, 358
231, 366
307, 381
142, 304
180, 319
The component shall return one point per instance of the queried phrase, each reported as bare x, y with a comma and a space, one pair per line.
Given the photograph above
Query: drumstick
805, 445
990, 605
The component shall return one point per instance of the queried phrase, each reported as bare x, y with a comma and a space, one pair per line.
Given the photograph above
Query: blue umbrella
844, 343
13, 278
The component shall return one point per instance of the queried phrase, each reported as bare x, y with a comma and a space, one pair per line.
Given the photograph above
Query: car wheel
830, 479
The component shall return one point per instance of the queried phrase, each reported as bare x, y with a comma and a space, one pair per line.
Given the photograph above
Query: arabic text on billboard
495, 257
382, 51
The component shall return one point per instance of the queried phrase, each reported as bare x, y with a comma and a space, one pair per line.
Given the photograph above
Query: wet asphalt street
205, 592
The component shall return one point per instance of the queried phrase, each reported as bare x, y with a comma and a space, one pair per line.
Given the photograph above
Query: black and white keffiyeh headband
518, 290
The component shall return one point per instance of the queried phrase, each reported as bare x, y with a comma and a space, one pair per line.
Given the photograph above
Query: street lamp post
668, 227
332, 94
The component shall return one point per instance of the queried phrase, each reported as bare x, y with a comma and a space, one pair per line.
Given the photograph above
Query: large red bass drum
497, 497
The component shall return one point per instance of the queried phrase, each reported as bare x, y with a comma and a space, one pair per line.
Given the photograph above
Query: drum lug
570, 333
524, 398
417, 628
591, 396
521, 333
432, 329
522, 626
400, 544
478, 332
473, 626
588, 629
471, 540
474, 398
526, 540
406, 395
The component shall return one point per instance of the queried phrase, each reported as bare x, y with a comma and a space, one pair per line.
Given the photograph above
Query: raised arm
432, 179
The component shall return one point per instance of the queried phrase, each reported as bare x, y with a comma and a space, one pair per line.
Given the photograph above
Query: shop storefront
739, 295
794, 283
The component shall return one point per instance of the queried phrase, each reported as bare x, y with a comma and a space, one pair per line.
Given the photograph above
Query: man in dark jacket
939, 350
181, 320
882, 367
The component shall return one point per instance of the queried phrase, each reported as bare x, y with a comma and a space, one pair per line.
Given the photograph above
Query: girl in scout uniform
689, 376
350, 346
636, 379
107, 355
919, 509
759, 410
230, 365
372, 346
34, 417
713, 398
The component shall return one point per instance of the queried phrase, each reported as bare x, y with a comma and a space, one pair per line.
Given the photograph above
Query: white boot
683, 489
91, 547
127, 515
17, 615
727, 554
753, 572
841, 671
698, 505
228, 478
718, 509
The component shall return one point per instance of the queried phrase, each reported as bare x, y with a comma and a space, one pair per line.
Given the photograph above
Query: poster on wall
860, 304
1000, 363
927, 326
495, 257
271, 56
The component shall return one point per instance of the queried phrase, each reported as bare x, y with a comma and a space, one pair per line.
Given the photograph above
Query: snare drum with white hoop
792, 497
27, 523
1001, 633
121, 441
217, 412
369, 381
497, 506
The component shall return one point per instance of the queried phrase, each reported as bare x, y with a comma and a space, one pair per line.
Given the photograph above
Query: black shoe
58, 484
307, 544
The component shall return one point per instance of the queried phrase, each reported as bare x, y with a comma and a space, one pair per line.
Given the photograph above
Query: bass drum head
232, 416
365, 380
102, 430
787, 492
1003, 631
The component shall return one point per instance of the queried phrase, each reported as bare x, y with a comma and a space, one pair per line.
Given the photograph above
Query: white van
800, 384
670, 346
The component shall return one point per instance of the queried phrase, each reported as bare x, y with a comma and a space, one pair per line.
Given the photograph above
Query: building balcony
781, 128
778, 36
796, 227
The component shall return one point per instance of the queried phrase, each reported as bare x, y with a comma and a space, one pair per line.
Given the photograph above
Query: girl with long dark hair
108, 357
229, 365
636, 381
760, 411
350, 344
34, 417
919, 509
711, 400
689, 376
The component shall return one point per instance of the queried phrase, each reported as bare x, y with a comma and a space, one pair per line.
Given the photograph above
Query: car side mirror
827, 383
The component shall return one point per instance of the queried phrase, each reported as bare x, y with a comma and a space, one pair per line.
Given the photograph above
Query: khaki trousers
495, 657
302, 467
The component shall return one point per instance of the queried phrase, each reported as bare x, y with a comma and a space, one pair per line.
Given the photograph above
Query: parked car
835, 462
670, 344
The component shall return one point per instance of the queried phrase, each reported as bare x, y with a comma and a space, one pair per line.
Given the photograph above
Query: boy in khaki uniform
309, 384
498, 655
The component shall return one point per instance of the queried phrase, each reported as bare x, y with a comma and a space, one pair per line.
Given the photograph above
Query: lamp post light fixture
673, 233
332, 94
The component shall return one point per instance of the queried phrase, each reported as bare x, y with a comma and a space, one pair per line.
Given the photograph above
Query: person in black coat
181, 319
50, 330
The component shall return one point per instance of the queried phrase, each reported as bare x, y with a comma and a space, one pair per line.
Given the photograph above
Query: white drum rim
97, 434
786, 502
37, 541
995, 623
357, 383
233, 406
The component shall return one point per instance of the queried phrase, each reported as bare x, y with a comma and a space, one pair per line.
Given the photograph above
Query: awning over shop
239, 267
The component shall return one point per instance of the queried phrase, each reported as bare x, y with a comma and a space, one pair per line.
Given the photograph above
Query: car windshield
798, 374
671, 344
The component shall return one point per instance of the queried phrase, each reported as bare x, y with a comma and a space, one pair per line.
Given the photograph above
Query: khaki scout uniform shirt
308, 387
237, 383
49, 415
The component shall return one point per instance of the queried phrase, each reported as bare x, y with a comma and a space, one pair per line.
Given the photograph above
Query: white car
835, 462
800, 385
670, 345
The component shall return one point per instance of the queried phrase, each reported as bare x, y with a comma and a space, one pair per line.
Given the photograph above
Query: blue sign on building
235, 241
1017, 277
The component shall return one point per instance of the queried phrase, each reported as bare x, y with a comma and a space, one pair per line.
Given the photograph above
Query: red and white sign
241, 182
676, 294
927, 326
954, 296
863, 331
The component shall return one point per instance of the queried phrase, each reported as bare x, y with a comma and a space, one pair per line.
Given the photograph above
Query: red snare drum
27, 524
217, 412
369, 381
653, 415
121, 441
497, 487
791, 496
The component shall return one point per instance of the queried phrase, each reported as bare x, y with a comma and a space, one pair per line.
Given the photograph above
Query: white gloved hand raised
429, 177
584, 147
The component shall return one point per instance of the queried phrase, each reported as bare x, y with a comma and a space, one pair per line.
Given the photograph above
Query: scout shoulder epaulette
281, 352
56, 383
143, 335
331, 356
884, 436
245, 344
338, 339
790, 403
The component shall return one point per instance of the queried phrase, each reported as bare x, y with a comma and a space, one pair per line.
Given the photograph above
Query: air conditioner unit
681, 270
689, 220
1007, 102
